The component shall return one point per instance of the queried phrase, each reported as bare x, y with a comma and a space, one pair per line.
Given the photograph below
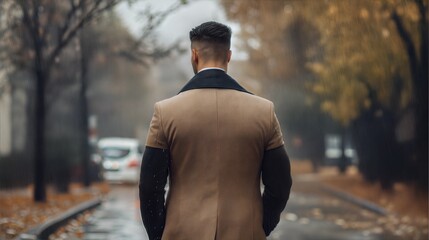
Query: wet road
314, 214
118, 218
311, 214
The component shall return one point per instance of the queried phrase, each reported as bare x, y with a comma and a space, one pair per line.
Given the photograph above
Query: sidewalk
18, 212
403, 211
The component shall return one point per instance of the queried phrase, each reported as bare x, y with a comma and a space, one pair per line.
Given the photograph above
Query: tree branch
133, 58
36, 19
372, 93
154, 20
422, 8
31, 23
423, 25
50, 13
26, 16
138, 51
71, 31
67, 21
408, 42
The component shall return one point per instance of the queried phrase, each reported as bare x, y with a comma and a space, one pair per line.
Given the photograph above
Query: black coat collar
213, 78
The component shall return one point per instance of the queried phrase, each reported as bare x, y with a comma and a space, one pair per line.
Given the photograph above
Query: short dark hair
214, 39
212, 32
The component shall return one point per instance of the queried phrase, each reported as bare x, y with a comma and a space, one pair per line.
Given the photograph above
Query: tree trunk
39, 136
380, 156
85, 148
419, 74
29, 150
421, 87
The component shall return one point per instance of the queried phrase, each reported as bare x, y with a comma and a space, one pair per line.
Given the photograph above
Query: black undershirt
276, 178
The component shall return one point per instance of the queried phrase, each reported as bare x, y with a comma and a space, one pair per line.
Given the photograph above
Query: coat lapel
213, 78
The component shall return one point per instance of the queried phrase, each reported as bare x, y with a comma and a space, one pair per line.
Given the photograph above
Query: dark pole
39, 122
84, 113
39, 132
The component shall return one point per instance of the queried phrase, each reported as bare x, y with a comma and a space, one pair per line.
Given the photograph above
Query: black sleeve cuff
276, 177
153, 178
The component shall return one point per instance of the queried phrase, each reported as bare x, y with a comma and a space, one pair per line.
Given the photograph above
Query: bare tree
140, 50
43, 29
145, 47
48, 27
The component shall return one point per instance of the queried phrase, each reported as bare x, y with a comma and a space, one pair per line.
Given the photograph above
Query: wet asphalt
311, 214
118, 217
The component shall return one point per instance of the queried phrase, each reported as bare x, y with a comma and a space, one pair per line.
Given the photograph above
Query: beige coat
216, 138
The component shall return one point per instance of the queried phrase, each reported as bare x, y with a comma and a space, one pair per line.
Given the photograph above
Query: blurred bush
15, 170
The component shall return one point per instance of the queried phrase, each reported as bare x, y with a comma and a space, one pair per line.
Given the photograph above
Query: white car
121, 159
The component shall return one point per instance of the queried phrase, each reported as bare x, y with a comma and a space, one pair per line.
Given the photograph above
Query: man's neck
210, 68
212, 65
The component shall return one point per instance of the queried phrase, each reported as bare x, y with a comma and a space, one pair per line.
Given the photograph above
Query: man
214, 140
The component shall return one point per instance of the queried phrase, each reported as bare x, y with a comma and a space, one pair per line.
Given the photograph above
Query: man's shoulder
189, 94
255, 100
168, 101
261, 99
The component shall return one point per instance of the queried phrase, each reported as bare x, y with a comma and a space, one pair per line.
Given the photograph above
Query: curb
42, 231
355, 200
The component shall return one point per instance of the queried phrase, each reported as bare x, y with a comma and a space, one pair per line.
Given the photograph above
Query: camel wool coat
216, 133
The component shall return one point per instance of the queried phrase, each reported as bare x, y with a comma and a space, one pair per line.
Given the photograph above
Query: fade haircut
212, 40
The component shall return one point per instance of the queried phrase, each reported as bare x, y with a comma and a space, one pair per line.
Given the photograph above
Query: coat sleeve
156, 137
277, 180
275, 136
153, 178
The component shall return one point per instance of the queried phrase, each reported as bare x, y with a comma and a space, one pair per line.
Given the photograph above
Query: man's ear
194, 55
229, 55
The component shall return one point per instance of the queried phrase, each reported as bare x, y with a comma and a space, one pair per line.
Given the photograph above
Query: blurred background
349, 79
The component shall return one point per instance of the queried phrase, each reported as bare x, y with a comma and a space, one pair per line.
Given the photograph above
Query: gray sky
178, 24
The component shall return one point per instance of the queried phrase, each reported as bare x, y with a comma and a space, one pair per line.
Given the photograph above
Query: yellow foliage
358, 48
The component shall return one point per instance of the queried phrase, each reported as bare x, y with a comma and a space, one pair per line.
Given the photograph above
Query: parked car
333, 151
121, 158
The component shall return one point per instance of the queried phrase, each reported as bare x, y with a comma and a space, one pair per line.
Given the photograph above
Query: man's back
215, 140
